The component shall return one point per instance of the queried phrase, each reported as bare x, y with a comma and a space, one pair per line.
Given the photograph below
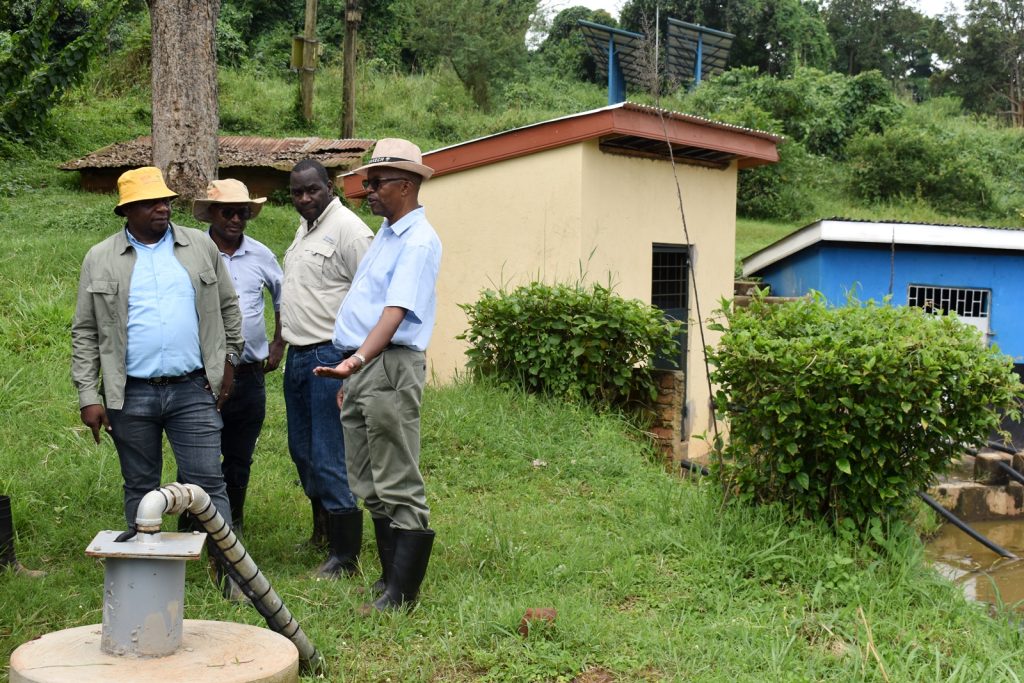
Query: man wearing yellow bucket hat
156, 332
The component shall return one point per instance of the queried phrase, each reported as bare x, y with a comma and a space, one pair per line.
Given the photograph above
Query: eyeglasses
228, 212
374, 183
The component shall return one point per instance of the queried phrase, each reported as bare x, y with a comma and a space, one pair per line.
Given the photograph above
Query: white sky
929, 7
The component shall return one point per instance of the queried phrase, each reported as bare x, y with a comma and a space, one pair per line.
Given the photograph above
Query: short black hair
307, 164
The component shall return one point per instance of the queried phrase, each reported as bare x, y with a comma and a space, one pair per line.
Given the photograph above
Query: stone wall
667, 418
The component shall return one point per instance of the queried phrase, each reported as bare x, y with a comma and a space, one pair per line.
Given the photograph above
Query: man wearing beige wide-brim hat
384, 327
227, 207
155, 336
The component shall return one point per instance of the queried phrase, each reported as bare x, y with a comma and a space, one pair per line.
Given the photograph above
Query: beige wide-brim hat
140, 184
396, 153
226, 191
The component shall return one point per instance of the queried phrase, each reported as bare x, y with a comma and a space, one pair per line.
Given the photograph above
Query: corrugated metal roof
279, 153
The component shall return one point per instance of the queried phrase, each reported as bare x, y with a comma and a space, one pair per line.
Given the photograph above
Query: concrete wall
556, 213
865, 270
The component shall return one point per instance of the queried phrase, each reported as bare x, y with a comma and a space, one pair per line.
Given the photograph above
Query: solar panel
625, 48
694, 52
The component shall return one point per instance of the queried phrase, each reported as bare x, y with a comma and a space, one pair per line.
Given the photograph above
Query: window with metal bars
965, 302
669, 276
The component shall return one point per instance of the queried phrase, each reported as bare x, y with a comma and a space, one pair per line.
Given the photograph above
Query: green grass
536, 504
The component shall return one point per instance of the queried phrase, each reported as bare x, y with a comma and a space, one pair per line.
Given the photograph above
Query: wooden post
353, 16
308, 61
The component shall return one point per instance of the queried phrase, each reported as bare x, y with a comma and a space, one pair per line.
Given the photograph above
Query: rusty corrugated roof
279, 153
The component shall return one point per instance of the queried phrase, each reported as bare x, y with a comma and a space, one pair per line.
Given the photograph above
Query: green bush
912, 161
845, 413
569, 341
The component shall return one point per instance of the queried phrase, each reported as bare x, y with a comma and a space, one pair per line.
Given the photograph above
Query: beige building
593, 193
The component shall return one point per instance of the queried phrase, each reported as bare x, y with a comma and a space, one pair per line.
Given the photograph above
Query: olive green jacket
99, 333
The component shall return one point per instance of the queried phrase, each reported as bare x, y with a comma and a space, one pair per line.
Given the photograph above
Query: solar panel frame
628, 46
681, 50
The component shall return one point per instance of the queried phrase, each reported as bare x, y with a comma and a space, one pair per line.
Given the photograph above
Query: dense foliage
845, 412
569, 341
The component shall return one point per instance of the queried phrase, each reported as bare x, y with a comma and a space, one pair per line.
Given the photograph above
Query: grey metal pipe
175, 499
1010, 472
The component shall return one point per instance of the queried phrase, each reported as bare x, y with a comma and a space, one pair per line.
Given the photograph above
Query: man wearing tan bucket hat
155, 333
227, 207
384, 327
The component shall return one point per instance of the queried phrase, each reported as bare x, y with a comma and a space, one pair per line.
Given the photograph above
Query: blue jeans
243, 417
315, 440
187, 413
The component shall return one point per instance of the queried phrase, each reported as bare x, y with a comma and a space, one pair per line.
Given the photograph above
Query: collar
123, 240
406, 221
331, 207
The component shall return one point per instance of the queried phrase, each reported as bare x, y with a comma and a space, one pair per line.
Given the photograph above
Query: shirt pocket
208, 294
104, 298
314, 259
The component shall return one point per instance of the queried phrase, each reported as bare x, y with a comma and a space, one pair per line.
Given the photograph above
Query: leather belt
177, 379
308, 347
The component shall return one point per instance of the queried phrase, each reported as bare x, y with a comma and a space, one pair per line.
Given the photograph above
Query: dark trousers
187, 413
314, 427
243, 417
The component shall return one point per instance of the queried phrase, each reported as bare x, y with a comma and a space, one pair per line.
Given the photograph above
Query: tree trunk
185, 115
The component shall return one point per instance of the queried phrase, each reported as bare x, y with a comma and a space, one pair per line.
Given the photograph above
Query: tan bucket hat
226, 191
397, 153
141, 184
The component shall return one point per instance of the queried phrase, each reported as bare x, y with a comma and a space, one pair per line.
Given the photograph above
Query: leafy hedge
846, 412
568, 341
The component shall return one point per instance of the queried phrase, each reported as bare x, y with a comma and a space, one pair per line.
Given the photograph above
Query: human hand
226, 386
342, 370
94, 417
276, 354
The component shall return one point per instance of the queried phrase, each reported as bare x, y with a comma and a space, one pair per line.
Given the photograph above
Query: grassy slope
652, 578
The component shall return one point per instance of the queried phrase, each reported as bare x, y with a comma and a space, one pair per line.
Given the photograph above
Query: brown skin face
310, 195
396, 193
228, 231
149, 219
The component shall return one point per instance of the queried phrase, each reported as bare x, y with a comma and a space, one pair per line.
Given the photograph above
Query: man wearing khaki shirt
318, 270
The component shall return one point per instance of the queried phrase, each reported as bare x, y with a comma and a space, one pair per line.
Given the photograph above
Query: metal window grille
669, 277
966, 303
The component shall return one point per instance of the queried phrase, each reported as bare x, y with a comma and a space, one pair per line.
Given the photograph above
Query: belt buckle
159, 381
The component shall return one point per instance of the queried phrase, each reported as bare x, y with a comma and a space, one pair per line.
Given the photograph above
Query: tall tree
885, 35
565, 50
483, 40
185, 114
989, 69
776, 36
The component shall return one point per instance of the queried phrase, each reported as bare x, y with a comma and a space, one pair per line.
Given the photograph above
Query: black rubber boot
385, 548
318, 539
345, 536
412, 554
8, 558
236, 498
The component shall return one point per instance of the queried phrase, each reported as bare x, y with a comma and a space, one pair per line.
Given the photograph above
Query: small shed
973, 271
593, 196
263, 164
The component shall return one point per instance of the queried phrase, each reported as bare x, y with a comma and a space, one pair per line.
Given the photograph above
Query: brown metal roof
278, 153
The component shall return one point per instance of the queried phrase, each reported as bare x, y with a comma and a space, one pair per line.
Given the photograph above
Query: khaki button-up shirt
318, 270
99, 332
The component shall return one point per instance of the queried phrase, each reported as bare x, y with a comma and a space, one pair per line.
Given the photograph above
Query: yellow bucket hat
141, 184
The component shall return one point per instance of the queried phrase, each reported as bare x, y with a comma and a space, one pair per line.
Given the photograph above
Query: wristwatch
234, 359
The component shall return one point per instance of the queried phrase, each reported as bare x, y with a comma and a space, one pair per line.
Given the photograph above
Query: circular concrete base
210, 651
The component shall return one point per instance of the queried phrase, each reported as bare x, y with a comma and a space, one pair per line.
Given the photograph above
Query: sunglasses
375, 183
228, 212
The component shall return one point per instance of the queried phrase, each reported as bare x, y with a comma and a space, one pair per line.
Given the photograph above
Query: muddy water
984, 575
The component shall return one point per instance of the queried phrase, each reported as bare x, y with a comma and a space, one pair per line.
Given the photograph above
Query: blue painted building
975, 272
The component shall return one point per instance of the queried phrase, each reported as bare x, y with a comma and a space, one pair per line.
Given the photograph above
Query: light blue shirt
399, 269
163, 326
254, 267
